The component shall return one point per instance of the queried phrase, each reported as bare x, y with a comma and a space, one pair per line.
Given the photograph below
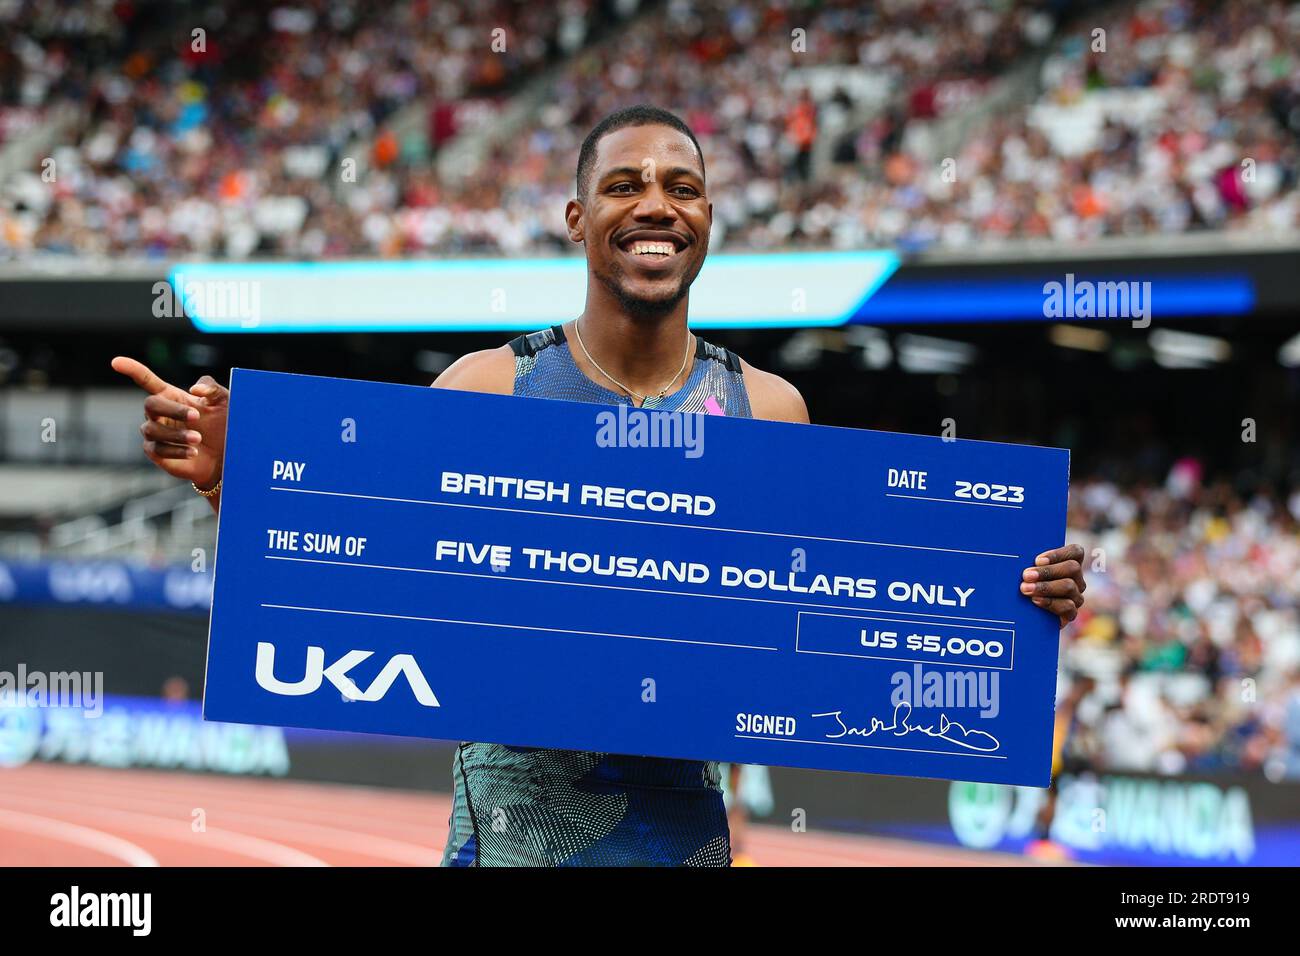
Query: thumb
209, 389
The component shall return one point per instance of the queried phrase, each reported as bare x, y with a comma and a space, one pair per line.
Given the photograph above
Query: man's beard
642, 308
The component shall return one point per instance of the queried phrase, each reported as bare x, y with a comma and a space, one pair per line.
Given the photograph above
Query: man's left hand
1055, 582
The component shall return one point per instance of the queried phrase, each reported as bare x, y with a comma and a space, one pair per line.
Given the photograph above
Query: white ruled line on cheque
836, 743
953, 501
657, 524
517, 627
493, 576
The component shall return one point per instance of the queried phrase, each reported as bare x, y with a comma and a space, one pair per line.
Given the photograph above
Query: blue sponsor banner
1067, 297
1129, 820
752, 290
453, 565
114, 731
1225, 818
106, 583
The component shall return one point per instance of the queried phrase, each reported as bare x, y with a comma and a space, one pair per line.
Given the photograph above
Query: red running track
60, 815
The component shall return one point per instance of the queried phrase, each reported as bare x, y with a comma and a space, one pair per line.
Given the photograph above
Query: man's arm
491, 370
772, 398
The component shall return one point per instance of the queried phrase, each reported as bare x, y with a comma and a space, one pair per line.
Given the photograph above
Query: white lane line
657, 524
65, 832
398, 810
353, 841
178, 829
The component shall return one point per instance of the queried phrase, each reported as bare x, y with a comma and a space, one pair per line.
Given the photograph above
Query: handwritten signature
949, 730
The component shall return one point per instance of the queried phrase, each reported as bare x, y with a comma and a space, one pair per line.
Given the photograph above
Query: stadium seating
820, 124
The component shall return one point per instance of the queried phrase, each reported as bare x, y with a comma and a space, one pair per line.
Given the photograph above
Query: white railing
101, 512
168, 523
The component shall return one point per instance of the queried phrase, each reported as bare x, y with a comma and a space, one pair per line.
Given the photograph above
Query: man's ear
573, 220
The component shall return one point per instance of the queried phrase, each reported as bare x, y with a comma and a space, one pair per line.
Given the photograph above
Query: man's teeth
641, 248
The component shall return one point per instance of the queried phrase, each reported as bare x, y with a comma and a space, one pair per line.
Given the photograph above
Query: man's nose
654, 204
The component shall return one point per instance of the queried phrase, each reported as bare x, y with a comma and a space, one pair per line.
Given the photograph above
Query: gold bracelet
210, 492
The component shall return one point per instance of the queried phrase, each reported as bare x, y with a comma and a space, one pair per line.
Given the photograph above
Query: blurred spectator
801, 131
1191, 628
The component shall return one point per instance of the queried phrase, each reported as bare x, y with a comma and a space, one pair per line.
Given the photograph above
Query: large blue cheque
536, 573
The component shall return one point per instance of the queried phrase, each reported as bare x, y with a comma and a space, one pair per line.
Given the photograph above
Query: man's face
645, 219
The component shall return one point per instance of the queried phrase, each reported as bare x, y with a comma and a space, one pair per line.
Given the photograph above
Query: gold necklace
662, 392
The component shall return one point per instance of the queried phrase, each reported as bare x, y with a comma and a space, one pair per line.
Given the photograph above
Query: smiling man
643, 215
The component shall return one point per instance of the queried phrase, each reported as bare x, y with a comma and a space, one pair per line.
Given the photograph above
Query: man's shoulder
773, 398
489, 370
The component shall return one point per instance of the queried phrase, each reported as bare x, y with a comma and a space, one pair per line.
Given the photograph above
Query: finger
1050, 603
166, 435
1057, 606
1066, 588
1065, 610
167, 463
1068, 552
151, 383
139, 373
156, 451
210, 389
1052, 572
156, 407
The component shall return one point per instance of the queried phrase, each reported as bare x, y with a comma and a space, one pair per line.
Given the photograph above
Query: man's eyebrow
638, 170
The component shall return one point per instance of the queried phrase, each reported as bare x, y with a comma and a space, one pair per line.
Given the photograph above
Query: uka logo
337, 674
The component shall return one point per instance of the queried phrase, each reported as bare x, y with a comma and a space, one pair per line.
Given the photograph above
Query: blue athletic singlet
514, 806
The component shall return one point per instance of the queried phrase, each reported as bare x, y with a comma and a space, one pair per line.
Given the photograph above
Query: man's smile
652, 249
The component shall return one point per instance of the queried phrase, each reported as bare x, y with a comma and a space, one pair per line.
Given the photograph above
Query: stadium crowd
1164, 116
222, 131
1187, 648
816, 120
756, 82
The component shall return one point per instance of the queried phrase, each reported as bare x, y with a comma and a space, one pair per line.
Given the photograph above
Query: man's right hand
184, 432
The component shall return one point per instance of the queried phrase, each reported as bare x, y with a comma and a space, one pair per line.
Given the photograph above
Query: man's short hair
641, 115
